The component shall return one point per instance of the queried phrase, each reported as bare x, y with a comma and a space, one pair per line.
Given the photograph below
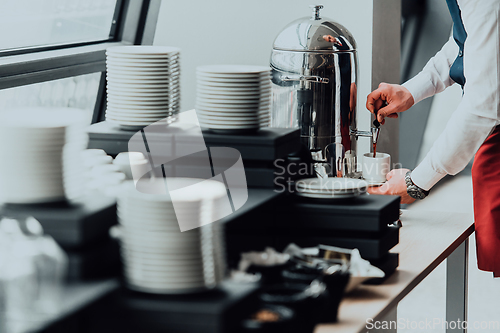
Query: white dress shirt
479, 111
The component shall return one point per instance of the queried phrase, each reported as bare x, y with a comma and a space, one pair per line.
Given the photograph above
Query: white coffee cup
375, 169
131, 163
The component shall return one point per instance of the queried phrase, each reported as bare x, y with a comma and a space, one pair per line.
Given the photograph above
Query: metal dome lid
315, 34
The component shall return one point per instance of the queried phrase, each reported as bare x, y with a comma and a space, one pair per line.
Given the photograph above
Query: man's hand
397, 97
395, 185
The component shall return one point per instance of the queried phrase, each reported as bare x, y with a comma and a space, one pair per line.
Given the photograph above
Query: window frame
134, 23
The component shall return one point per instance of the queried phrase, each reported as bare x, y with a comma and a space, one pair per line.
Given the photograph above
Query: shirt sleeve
478, 112
435, 77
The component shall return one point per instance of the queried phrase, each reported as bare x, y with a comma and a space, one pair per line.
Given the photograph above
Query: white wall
242, 32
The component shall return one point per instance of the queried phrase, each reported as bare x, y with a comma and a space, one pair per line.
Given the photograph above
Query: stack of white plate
40, 149
233, 98
142, 85
157, 256
330, 188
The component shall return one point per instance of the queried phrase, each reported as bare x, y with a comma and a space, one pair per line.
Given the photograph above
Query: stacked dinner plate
233, 98
142, 85
330, 188
157, 256
40, 149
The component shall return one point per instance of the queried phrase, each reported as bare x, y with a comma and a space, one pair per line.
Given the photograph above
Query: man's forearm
435, 76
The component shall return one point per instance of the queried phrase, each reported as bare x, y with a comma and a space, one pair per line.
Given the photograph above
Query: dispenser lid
315, 33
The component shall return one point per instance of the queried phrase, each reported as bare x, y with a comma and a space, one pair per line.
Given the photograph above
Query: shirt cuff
420, 87
425, 177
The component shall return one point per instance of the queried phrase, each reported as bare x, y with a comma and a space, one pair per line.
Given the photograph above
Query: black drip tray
366, 213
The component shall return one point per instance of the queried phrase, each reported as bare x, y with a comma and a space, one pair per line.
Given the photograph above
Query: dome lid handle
316, 9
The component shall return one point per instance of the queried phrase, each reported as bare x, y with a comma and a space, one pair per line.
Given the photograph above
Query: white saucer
332, 184
243, 84
233, 69
138, 71
143, 93
231, 103
327, 197
138, 98
143, 78
137, 85
130, 65
234, 86
237, 92
118, 107
233, 99
137, 113
375, 183
143, 49
242, 108
235, 81
231, 115
130, 125
229, 127
232, 95
139, 102
235, 76
120, 72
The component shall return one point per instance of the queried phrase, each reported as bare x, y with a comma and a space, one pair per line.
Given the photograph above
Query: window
52, 52
49, 22
75, 92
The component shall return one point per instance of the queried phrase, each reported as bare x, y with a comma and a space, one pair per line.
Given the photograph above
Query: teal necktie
460, 35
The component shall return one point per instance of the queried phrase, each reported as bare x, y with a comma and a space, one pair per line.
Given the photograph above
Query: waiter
470, 58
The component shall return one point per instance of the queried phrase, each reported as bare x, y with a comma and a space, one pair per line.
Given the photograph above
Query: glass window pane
26, 23
76, 92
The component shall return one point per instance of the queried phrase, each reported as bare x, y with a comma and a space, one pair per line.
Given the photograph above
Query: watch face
414, 193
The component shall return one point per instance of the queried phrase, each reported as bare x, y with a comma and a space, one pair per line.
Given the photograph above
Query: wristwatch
413, 190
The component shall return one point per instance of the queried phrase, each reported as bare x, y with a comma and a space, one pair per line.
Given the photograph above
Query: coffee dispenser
314, 80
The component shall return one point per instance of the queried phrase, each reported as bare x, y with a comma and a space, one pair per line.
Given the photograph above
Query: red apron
486, 188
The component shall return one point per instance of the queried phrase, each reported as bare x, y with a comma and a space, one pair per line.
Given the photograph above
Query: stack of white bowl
157, 256
142, 85
233, 98
40, 149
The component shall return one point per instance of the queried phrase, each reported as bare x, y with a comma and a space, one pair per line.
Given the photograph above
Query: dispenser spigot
373, 133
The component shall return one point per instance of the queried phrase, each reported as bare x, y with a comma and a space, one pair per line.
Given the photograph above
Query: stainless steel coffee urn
314, 78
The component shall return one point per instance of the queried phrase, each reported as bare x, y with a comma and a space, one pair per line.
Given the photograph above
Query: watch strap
413, 190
